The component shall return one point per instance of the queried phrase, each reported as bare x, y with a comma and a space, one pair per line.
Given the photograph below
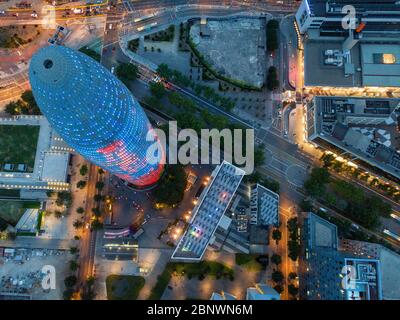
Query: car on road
2, 12
395, 216
77, 10
355, 226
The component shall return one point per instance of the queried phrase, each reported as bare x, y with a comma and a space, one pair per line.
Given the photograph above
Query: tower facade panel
95, 114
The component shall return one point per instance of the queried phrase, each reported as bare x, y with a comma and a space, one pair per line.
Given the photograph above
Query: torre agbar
95, 114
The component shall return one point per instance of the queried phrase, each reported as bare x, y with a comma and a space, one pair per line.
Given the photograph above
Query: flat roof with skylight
208, 213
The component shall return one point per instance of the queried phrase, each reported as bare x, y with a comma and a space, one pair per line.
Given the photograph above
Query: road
283, 153
88, 237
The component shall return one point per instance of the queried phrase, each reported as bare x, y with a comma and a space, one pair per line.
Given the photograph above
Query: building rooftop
370, 65
367, 280
264, 205
208, 213
365, 127
48, 170
322, 233
55, 166
389, 262
262, 292
380, 65
334, 7
222, 296
325, 262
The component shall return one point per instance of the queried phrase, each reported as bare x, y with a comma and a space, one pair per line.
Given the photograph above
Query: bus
395, 217
391, 234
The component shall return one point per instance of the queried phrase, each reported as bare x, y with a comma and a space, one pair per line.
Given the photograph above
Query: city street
107, 28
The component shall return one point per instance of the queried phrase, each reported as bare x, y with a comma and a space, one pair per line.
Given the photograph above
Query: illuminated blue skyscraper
95, 114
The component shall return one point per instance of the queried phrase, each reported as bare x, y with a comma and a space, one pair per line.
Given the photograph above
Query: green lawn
18, 145
121, 287
12, 211
91, 53
248, 261
201, 269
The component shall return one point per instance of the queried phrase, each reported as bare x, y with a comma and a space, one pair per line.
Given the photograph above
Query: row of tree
26, 105
348, 198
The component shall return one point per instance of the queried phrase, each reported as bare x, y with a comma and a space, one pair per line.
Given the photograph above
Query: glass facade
95, 114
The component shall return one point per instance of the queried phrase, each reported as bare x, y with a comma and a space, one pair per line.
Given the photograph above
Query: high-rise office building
95, 114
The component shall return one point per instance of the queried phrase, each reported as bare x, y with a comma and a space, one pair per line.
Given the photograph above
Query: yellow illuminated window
389, 58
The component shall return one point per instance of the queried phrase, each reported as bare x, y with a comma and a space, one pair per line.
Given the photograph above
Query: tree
171, 188
64, 198
272, 35
292, 275
276, 259
328, 159
78, 224
73, 250
98, 197
100, 171
278, 288
80, 210
73, 265
58, 214
315, 185
270, 184
3, 225
70, 281
83, 170
126, 72
276, 235
153, 102
272, 79
67, 294
81, 184
99, 185
163, 70
96, 211
29, 99
14, 108
277, 276
88, 293
91, 53
306, 205
96, 225
259, 156
294, 249
293, 290
157, 89
25, 105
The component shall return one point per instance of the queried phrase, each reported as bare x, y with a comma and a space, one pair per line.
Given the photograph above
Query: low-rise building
262, 292
333, 274
326, 16
48, 170
264, 206
222, 296
367, 128
208, 212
